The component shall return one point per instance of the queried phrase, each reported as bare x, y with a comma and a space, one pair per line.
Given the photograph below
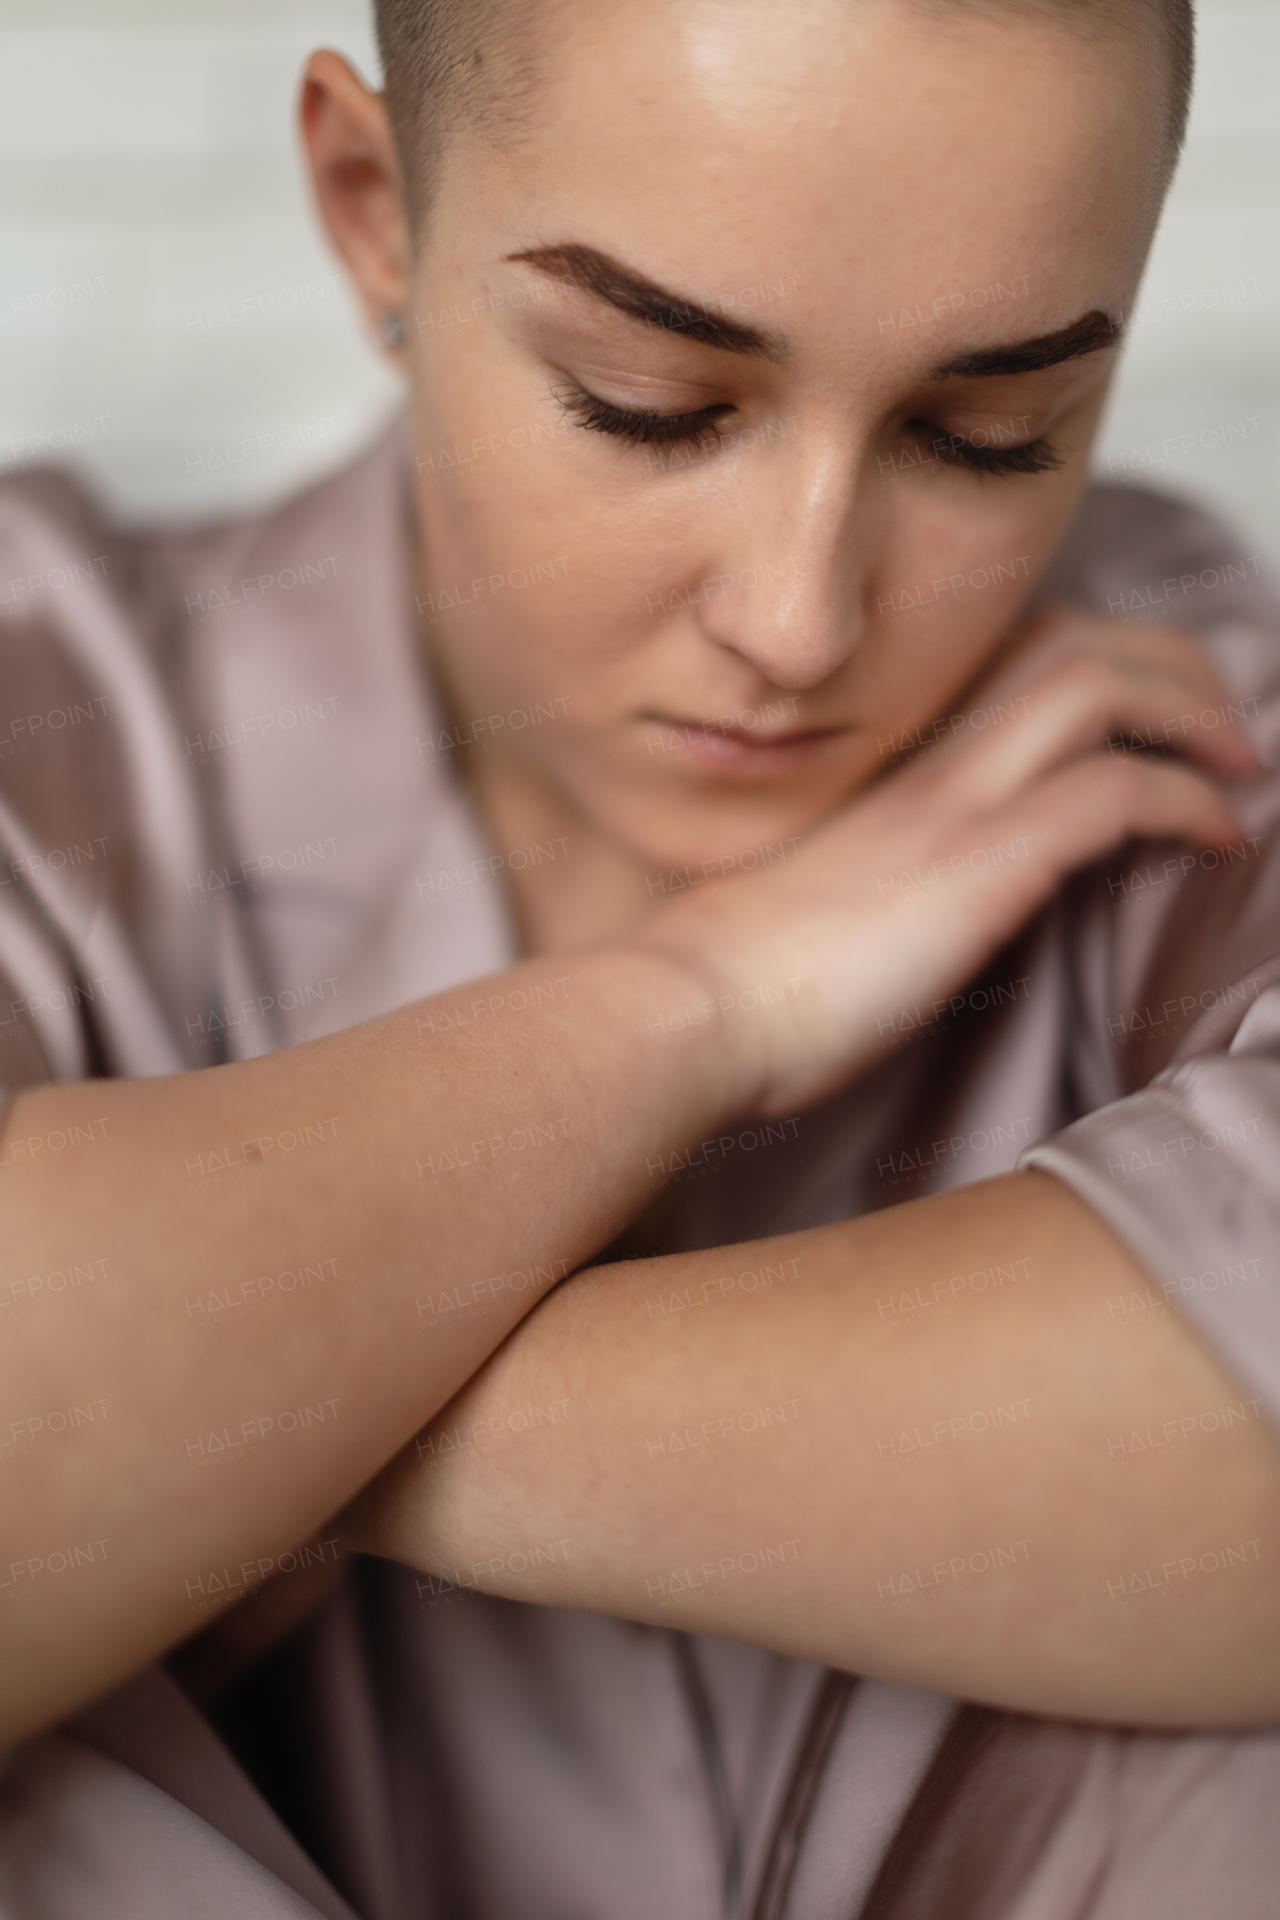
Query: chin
701, 841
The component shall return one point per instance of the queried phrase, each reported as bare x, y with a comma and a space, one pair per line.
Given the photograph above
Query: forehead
868, 145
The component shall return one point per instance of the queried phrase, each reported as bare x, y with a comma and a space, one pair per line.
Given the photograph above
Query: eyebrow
640, 298
1089, 334
605, 279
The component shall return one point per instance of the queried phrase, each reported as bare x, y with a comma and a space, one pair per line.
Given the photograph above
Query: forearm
894, 1450
255, 1282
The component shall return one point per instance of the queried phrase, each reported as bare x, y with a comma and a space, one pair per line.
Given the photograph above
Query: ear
358, 185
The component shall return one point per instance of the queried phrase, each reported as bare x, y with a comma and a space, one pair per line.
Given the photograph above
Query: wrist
693, 1005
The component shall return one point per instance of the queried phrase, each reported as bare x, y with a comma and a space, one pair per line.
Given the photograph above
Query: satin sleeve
1174, 1053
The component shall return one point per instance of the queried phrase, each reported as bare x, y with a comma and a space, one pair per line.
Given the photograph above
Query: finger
1061, 631
1082, 812
1014, 863
1204, 705
1078, 707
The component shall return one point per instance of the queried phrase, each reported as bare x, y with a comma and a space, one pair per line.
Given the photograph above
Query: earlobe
355, 171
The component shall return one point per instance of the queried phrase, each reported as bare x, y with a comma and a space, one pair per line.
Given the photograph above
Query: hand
911, 887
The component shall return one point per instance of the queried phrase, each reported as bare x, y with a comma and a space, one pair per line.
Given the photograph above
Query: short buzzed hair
453, 65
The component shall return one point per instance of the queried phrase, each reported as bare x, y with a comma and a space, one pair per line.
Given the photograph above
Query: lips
747, 736
742, 752
783, 739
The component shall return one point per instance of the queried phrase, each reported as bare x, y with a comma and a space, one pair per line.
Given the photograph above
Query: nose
788, 591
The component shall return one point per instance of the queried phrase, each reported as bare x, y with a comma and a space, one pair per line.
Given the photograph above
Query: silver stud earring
394, 330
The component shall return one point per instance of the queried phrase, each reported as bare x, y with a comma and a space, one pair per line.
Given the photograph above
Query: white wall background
150, 186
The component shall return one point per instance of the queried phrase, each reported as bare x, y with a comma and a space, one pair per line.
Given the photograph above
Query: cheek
524, 610
503, 484
960, 553
953, 571
507, 491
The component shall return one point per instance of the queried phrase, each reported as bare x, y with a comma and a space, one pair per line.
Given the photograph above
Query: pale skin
832, 531
883, 1437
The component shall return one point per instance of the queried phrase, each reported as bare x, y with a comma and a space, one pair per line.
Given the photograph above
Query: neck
584, 888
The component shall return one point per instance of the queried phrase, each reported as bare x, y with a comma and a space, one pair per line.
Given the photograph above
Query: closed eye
640, 427
645, 427
1032, 456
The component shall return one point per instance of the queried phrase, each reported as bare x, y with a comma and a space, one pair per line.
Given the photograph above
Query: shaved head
456, 66
474, 66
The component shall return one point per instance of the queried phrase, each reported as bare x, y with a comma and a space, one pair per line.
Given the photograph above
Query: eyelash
1034, 456
640, 429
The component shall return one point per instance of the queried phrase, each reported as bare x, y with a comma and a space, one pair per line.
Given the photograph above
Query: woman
767, 836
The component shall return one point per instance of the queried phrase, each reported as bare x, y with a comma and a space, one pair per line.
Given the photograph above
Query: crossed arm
225, 1442
820, 1444
786, 1462
230, 1270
